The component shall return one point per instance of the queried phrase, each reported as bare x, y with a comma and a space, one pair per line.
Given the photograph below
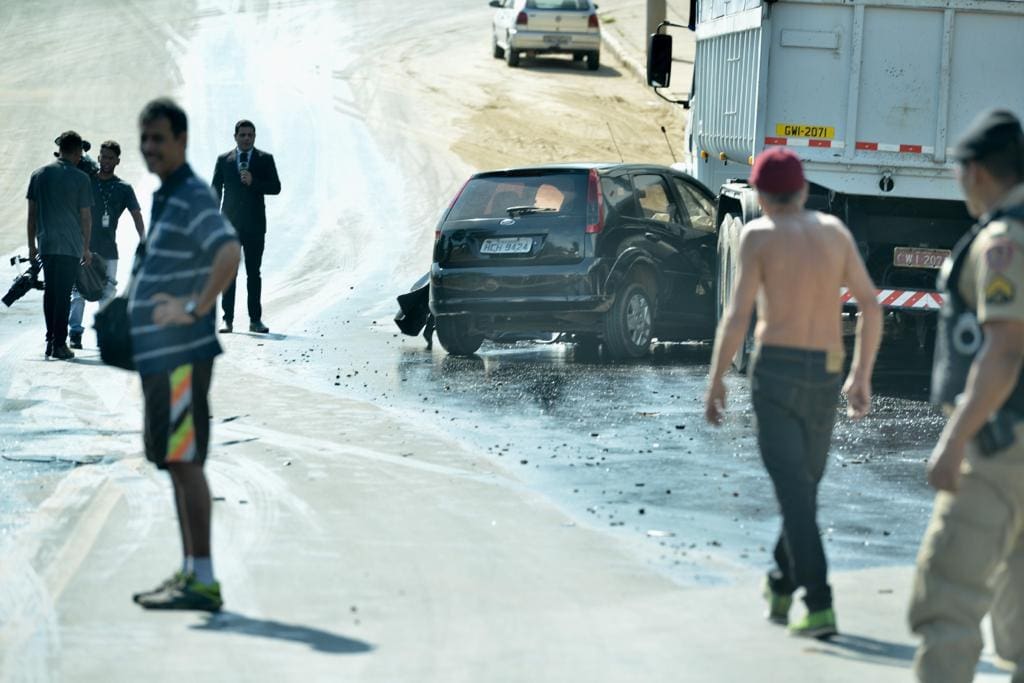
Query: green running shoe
186, 596
177, 578
778, 605
820, 625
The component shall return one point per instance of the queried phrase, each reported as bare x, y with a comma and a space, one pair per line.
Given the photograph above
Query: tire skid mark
293, 442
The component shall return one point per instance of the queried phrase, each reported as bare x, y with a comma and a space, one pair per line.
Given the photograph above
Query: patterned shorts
177, 420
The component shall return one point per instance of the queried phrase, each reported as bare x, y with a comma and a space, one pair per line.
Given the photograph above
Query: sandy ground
354, 543
549, 110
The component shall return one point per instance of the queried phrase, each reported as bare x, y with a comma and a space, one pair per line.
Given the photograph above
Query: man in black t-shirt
59, 225
111, 196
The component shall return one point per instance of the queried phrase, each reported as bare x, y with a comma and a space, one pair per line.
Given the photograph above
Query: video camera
86, 164
25, 282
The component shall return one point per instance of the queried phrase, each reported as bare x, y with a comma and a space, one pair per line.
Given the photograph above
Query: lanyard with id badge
105, 189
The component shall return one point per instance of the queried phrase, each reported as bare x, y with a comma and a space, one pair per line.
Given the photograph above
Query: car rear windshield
564, 5
563, 194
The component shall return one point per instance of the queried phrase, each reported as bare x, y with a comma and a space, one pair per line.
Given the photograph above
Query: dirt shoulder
548, 110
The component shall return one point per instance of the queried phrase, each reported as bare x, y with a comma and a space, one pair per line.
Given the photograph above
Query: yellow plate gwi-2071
799, 130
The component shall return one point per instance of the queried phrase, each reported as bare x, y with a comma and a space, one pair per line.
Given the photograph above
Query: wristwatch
190, 309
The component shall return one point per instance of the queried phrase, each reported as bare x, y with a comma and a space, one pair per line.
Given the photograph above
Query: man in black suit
241, 177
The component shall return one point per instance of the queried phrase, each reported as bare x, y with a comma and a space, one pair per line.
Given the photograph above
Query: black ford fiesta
612, 254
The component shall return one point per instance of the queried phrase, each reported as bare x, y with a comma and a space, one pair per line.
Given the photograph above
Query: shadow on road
87, 361
556, 65
321, 641
862, 648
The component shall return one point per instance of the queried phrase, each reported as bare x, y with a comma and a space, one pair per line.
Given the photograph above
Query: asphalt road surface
375, 117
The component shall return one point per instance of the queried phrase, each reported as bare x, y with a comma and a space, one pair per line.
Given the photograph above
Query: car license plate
507, 245
557, 40
910, 257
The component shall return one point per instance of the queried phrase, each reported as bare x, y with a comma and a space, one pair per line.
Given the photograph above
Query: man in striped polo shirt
191, 255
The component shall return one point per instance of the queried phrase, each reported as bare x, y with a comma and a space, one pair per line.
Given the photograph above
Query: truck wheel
728, 235
593, 60
629, 325
454, 335
498, 51
511, 56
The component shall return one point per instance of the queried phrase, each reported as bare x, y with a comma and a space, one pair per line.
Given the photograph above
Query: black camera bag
114, 325
92, 278
114, 333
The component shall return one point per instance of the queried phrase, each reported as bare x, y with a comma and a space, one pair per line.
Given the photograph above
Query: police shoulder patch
999, 290
999, 254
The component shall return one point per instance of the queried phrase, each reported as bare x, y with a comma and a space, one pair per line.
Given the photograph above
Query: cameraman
60, 220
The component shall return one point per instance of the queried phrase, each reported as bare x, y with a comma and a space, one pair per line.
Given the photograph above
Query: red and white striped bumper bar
861, 146
804, 142
906, 299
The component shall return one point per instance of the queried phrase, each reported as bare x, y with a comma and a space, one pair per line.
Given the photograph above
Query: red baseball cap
778, 170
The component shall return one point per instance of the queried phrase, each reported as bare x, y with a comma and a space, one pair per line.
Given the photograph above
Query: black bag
114, 333
92, 278
114, 326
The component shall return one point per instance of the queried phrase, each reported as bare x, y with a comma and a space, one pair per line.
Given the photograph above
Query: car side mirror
495, 3
659, 60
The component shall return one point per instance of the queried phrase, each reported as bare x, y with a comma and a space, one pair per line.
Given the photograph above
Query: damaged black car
617, 255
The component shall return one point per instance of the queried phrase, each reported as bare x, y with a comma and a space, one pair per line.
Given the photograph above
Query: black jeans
252, 252
59, 275
795, 400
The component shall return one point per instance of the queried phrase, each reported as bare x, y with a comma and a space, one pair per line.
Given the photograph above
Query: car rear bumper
555, 291
541, 41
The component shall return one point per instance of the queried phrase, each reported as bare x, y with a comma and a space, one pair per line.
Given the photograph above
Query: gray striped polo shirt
186, 230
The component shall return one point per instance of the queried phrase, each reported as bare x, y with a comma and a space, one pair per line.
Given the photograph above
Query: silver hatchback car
546, 27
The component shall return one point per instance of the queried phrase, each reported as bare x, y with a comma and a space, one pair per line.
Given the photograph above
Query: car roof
605, 167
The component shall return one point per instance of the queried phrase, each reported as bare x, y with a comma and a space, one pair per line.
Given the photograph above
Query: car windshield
548, 193
565, 5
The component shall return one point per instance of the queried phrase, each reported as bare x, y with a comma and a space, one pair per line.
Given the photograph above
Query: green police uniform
971, 561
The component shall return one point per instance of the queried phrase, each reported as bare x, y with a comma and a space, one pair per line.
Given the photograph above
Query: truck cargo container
872, 95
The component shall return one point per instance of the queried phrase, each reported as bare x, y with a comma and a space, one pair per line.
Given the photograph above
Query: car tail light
592, 21
451, 204
522, 19
595, 204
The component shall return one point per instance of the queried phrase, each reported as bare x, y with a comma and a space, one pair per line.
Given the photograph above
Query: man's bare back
792, 264
803, 258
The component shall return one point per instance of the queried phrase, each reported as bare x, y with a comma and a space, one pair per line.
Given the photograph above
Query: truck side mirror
659, 60
495, 3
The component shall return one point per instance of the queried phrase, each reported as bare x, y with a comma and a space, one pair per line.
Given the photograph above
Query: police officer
971, 560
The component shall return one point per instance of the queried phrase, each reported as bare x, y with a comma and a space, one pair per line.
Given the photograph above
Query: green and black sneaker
820, 625
186, 596
177, 578
778, 605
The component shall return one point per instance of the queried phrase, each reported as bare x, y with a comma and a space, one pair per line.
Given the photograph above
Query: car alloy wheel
638, 319
629, 324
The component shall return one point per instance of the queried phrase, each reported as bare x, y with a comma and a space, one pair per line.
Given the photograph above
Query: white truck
872, 94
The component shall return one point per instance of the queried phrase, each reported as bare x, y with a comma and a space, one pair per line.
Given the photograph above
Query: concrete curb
624, 55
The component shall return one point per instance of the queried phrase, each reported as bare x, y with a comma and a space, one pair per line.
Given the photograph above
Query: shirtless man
793, 263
